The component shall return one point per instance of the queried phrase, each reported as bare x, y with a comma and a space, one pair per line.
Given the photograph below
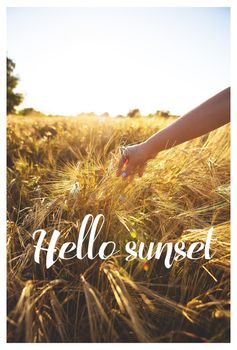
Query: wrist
149, 150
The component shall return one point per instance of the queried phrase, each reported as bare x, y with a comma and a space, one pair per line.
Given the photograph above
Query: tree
164, 114
13, 98
28, 111
134, 113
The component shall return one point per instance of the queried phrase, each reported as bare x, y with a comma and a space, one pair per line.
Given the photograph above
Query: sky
73, 60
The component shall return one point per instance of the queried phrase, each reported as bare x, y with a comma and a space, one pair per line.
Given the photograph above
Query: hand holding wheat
210, 115
133, 160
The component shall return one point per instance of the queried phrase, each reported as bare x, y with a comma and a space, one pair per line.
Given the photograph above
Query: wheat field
62, 168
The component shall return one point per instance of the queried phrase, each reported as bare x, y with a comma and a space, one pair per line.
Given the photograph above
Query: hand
134, 161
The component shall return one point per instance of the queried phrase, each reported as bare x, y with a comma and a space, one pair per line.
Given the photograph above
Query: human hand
133, 160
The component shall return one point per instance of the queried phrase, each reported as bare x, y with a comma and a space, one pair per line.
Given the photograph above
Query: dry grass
60, 169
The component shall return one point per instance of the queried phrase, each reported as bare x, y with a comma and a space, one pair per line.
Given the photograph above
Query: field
62, 168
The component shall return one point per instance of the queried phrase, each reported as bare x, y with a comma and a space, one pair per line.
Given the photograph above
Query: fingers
128, 170
121, 164
131, 170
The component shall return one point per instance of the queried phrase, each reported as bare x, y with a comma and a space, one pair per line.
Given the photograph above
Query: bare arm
210, 115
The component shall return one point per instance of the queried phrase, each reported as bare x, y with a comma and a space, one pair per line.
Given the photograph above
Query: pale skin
210, 115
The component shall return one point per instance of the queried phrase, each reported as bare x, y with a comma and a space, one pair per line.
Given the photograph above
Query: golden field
62, 168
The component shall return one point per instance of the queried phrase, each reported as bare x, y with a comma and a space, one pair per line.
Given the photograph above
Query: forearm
210, 115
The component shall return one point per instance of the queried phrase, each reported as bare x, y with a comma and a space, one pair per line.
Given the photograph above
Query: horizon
84, 60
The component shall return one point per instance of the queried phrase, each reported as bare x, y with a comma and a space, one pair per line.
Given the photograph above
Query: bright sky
73, 60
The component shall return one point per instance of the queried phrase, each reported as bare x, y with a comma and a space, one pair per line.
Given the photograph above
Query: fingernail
123, 174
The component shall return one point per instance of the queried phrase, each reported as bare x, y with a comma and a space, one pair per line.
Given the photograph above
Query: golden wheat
59, 170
